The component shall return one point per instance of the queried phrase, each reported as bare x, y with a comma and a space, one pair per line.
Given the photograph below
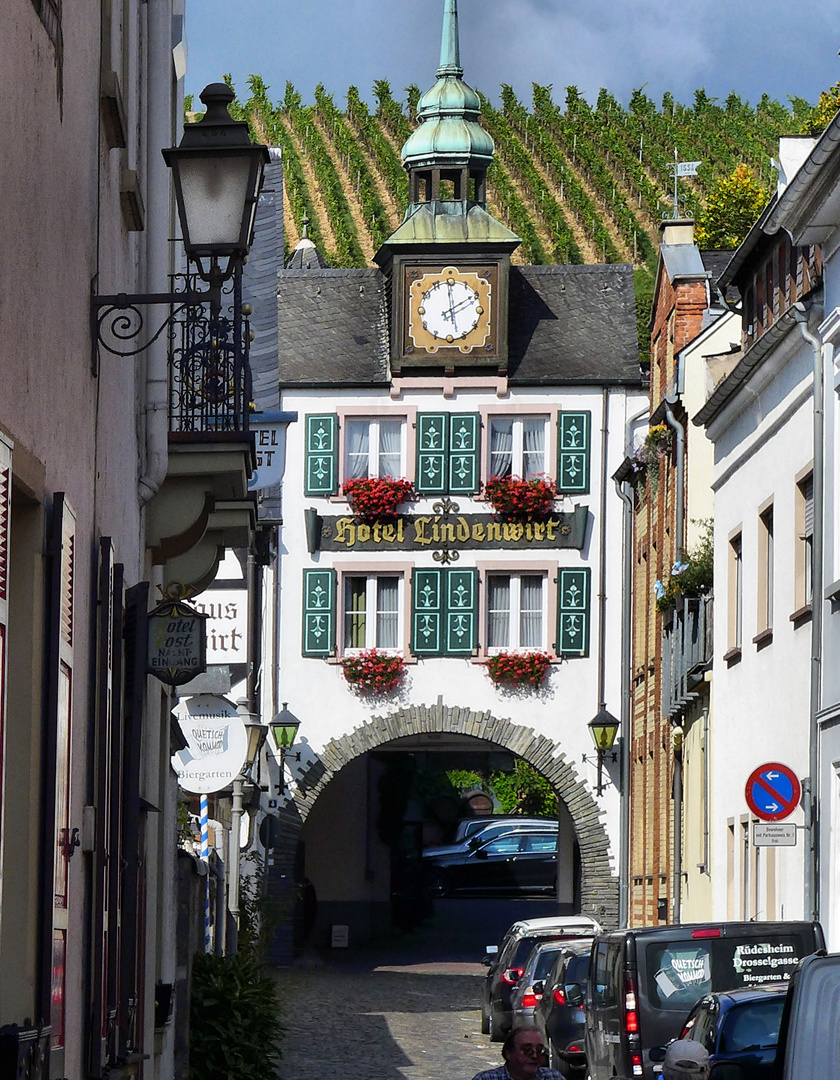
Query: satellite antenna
682, 168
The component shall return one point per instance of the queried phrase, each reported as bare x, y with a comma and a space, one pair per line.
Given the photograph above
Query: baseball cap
685, 1060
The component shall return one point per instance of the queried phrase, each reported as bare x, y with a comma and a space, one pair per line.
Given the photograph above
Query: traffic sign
769, 835
773, 791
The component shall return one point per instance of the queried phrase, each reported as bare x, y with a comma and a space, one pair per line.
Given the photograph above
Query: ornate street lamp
284, 729
603, 728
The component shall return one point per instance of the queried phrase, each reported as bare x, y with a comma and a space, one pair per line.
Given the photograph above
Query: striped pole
205, 855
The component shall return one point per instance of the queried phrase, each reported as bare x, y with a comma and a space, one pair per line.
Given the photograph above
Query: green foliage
692, 574
235, 1033
643, 282
820, 116
731, 210
259, 916
524, 791
466, 780
379, 147
390, 112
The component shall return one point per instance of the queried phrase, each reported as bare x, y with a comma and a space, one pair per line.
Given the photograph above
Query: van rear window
677, 973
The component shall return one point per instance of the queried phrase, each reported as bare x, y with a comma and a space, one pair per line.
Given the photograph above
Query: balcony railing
687, 650
209, 370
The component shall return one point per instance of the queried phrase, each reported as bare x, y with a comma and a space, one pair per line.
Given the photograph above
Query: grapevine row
379, 147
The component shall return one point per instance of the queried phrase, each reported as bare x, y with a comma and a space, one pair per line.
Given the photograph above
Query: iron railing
687, 651
209, 370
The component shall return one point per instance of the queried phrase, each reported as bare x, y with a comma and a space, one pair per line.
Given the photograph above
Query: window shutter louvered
573, 612
321, 455
432, 441
807, 487
319, 612
461, 612
427, 608
573, 452
464, 439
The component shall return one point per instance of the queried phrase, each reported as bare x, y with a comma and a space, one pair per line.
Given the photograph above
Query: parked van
644, 982
810, 1021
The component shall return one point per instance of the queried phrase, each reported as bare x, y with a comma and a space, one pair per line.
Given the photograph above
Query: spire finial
450, 46
305, 227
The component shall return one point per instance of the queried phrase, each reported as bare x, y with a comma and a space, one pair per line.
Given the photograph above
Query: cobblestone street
390, 1022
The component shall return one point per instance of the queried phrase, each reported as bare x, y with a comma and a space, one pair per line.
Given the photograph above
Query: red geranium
516, 500
518, 669
377, 498
373, 672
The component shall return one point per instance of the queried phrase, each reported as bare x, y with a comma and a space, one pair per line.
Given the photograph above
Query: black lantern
603, 728
284, 729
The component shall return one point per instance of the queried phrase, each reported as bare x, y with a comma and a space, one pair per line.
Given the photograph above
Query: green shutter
427, 603
573, 612
574, 449
464, 439
432, 439
461, 612
318, 612
321, 455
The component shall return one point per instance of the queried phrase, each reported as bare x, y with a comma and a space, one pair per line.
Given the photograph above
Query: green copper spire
450, 45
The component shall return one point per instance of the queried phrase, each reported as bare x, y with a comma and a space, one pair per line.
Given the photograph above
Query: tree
731, 210
823, 112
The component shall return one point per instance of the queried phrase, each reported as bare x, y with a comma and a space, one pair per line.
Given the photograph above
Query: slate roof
568, 324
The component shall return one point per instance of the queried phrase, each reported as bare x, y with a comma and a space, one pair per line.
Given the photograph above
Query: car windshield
578, 969
754, 1026
545, 959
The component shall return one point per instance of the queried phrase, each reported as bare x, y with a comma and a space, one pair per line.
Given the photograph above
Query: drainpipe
159, 228
812, 790
677, 737
625, 493
602, 554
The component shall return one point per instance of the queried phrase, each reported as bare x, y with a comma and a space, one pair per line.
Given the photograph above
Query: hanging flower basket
373, 672
521, 500
647, 458
518, 669
377, 498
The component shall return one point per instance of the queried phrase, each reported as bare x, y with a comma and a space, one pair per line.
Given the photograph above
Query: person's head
524, 1053
686, 1060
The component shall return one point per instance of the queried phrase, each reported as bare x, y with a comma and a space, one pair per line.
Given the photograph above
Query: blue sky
750, 46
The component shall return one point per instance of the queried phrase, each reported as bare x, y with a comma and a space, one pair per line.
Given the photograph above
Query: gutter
625, 493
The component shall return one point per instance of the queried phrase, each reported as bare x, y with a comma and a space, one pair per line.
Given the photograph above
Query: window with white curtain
372, 612
374, 448
517, 446
515, 611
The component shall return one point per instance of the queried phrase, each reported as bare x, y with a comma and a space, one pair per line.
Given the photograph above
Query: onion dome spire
450, 46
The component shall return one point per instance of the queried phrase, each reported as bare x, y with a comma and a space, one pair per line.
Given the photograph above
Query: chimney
793, 150
677, 231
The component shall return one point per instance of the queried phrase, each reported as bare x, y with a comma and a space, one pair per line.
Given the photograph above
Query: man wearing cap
686, 1060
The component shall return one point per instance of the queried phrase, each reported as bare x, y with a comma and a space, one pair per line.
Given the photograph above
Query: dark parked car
810, 1021
560, 1013
527, 993
740, 1027
522, 861
488, 830
506, 964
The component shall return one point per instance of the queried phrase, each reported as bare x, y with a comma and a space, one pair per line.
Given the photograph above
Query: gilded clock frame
477, 338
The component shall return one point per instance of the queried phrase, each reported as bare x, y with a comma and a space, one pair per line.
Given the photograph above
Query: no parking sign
773, 791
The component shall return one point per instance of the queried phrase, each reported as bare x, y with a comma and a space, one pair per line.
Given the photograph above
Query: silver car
525, 997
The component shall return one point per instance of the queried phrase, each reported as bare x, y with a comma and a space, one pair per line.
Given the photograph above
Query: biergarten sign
217, 743
467, 532
177, 640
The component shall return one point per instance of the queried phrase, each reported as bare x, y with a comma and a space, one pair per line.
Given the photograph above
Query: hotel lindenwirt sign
450, 530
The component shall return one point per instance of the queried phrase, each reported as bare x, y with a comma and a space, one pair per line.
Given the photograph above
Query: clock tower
449, 261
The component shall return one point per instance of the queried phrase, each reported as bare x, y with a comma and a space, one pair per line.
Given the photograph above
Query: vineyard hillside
579, 183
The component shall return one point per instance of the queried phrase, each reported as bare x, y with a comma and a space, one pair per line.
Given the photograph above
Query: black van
644, 982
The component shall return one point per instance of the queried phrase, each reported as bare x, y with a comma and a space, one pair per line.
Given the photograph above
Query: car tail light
574, 1049
559, 995
637, 1064
707, 932
530, 1000
631, 1016
511, 976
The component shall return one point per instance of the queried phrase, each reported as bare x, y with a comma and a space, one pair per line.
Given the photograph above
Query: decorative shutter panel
461, 612
574, 449
573, 612
464, 440
432, 440
319, 612
427, 608
321, 455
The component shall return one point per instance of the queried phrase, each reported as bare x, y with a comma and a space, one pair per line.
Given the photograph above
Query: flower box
377, 498
373, 672
514, 499
518, 669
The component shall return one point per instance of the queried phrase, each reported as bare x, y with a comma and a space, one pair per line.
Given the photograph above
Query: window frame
530, 411
766, 568
548, 572
374, 453
735, 593
803, 544
370, 570
406, 414
517, 452
371, 612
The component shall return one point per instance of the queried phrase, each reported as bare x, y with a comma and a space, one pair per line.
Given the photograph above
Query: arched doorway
598, 883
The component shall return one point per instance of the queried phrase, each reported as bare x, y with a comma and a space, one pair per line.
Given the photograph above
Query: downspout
625, 493
677, 732
811, 793
159, 228
602, 554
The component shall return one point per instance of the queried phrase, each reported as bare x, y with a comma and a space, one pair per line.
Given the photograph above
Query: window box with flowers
377, 498
691, 575
514, 499
373, 672
647, 459
518, 669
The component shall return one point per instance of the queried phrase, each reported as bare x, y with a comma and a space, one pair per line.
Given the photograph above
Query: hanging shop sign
177, 640
227, 624
217, 743
464, 531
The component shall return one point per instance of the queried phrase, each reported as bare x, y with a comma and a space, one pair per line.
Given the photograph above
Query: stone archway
599, 885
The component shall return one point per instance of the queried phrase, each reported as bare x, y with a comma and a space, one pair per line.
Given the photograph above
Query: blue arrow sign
773, 791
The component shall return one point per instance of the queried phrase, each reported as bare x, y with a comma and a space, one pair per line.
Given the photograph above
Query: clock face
450, 308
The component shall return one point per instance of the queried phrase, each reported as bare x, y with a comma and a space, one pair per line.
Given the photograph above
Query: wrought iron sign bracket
445, 508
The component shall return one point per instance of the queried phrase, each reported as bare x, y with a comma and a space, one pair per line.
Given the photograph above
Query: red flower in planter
377, 498
518, 669
516, 500
373, 672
